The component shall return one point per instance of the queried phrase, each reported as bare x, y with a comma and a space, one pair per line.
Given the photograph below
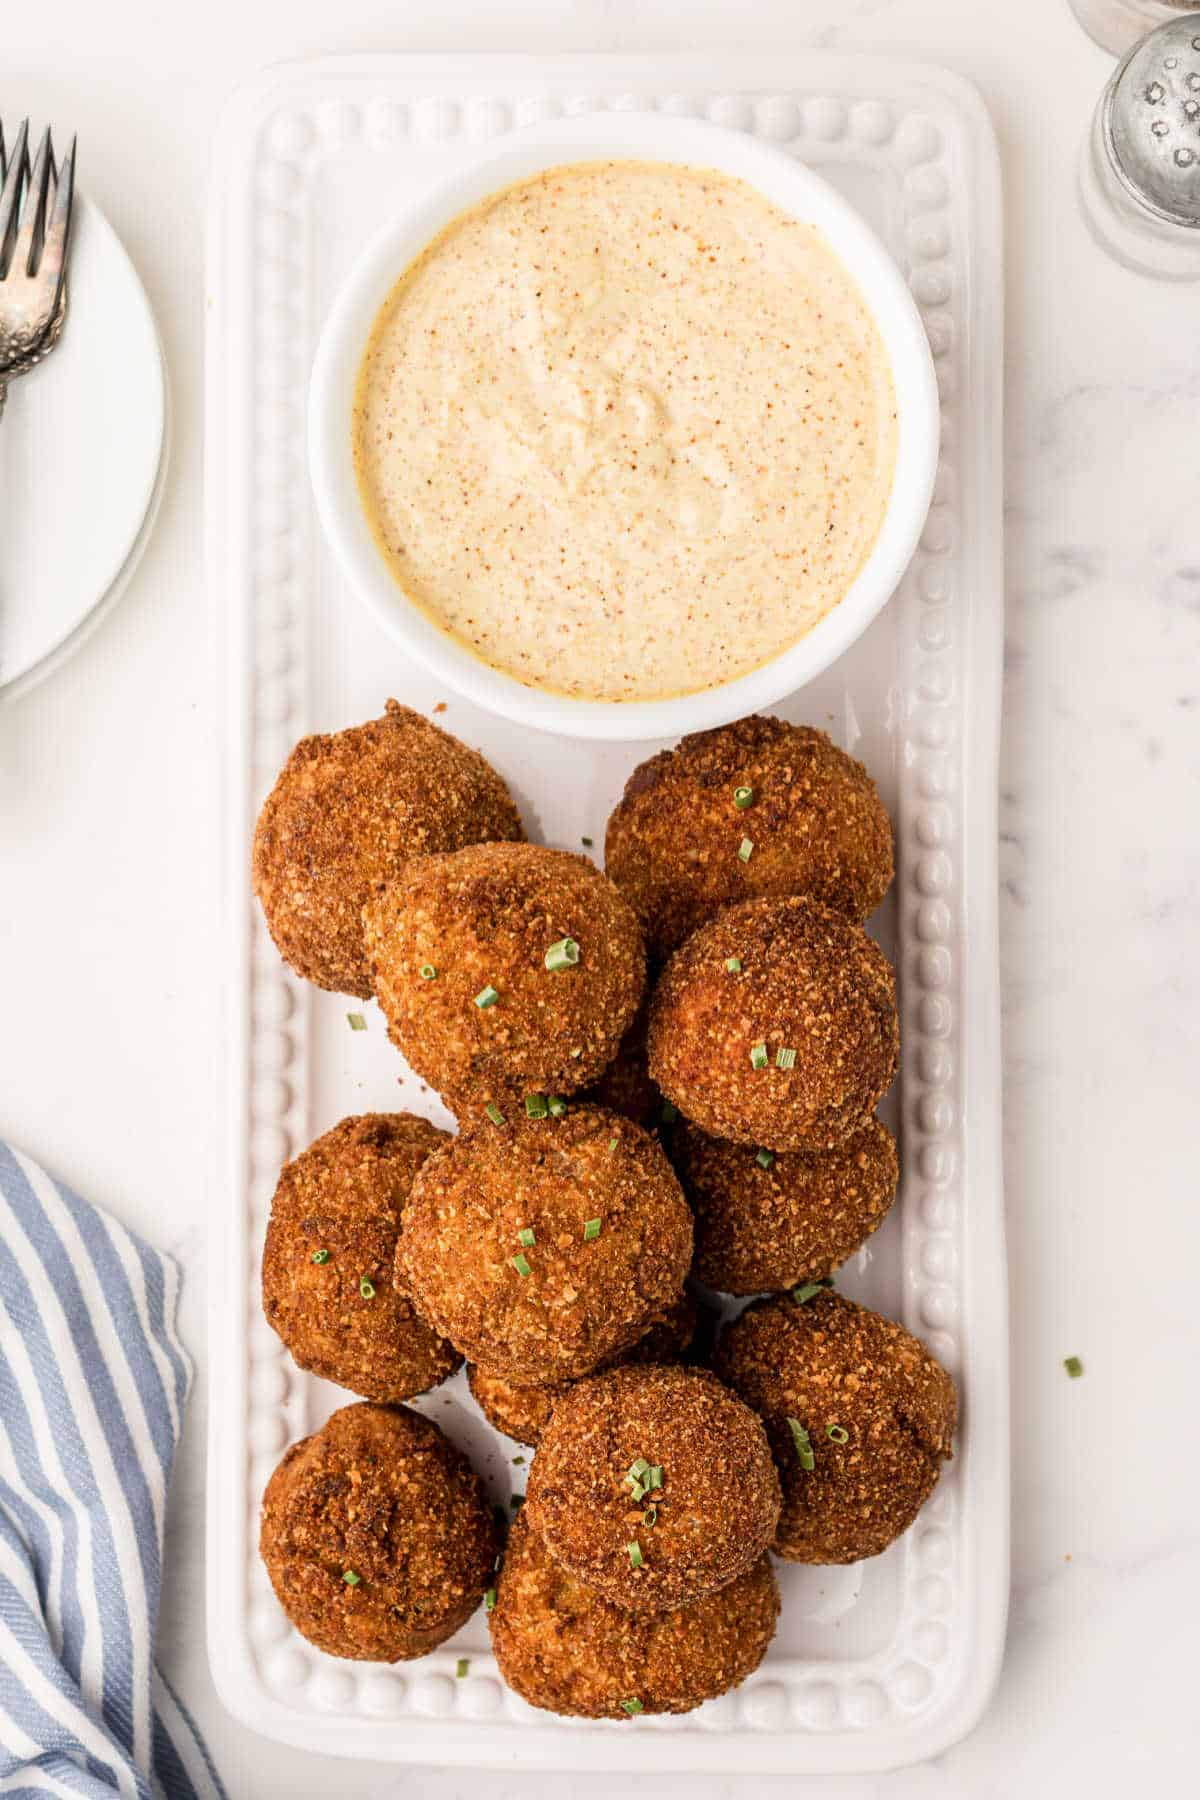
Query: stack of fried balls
665, 1077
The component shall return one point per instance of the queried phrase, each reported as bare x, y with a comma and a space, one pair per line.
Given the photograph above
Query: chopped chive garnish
356, 1021
586, 842
1073, 1365
808, 1289
493, 1112
635, 1554
556, 1106
428, 972
837, 1433
803, 1446
745, 849
563, 955
520, 1263
525, 1236
632, 1707
320, 1256
643, 1477
366, 1288
743, 797
489, 1600
578, 1051
669, 1112
765, 1159
785, 1057
461, 1667
591, 1230
638, 1469
536, 1106
613, 1142
351, 1577
733, 964
758, 1057
517, 1461
650, 1517
654, 1476
486, 997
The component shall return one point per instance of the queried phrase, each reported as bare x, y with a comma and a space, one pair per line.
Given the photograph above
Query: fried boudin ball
521, 1411
653, 1485
345, 814
565, 1648
775, 1025
543, 1247
505, 970
328, 1271
771, 1219
377, 1535
878, 1410
812, 816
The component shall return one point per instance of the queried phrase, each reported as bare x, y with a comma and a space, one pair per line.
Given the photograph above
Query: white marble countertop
108, 847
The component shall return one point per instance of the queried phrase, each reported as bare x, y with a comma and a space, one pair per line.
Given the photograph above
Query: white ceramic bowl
649, 137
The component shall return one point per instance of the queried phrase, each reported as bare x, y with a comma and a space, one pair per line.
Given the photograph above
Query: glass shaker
1140, 169
1116, 25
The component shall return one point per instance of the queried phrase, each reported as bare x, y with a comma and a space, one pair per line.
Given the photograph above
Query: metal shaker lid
1151, 121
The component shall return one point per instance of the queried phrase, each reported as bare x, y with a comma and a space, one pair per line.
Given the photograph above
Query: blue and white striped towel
93, 1384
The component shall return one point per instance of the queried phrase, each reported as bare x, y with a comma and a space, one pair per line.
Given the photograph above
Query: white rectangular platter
876, 1665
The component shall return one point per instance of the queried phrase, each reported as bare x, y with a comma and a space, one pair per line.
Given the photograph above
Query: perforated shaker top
1152, 121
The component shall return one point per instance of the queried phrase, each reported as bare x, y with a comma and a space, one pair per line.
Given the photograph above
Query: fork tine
33, 215
58, 229
10, 196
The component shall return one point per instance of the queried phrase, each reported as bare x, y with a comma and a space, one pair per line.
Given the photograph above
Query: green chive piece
366, 1288
669, 1112
632, 1707
320, 1256
493, 1112
428, 972
837, 1433
638, 1469
563, 955
486, 997
808, 1289
785, 1058
636, 1558
489, 1600
525, 1236
351, 1577
765, 1159
517, 1461
536, 1106
654, 1476
745, 850
586, 842
743, 797
356, 1021
556, 1106
803, 1447
650, 1517
578, 1051
461, 1667
591, 1230
758, 1057
733, 964
1074, 1366
520, 1263
613, 1142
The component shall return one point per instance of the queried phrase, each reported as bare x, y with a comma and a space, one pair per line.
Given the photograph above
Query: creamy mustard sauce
626, 430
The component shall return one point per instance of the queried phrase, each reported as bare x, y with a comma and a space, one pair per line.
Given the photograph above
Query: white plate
82, 457
892, 1660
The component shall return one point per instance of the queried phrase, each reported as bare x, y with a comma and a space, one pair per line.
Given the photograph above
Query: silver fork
35, 233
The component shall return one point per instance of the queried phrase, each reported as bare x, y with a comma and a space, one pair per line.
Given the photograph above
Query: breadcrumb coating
811, 813
833, 1366
334, 1223
344, 816
377, 1535
567, 1649
775, 1025
713, 1514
